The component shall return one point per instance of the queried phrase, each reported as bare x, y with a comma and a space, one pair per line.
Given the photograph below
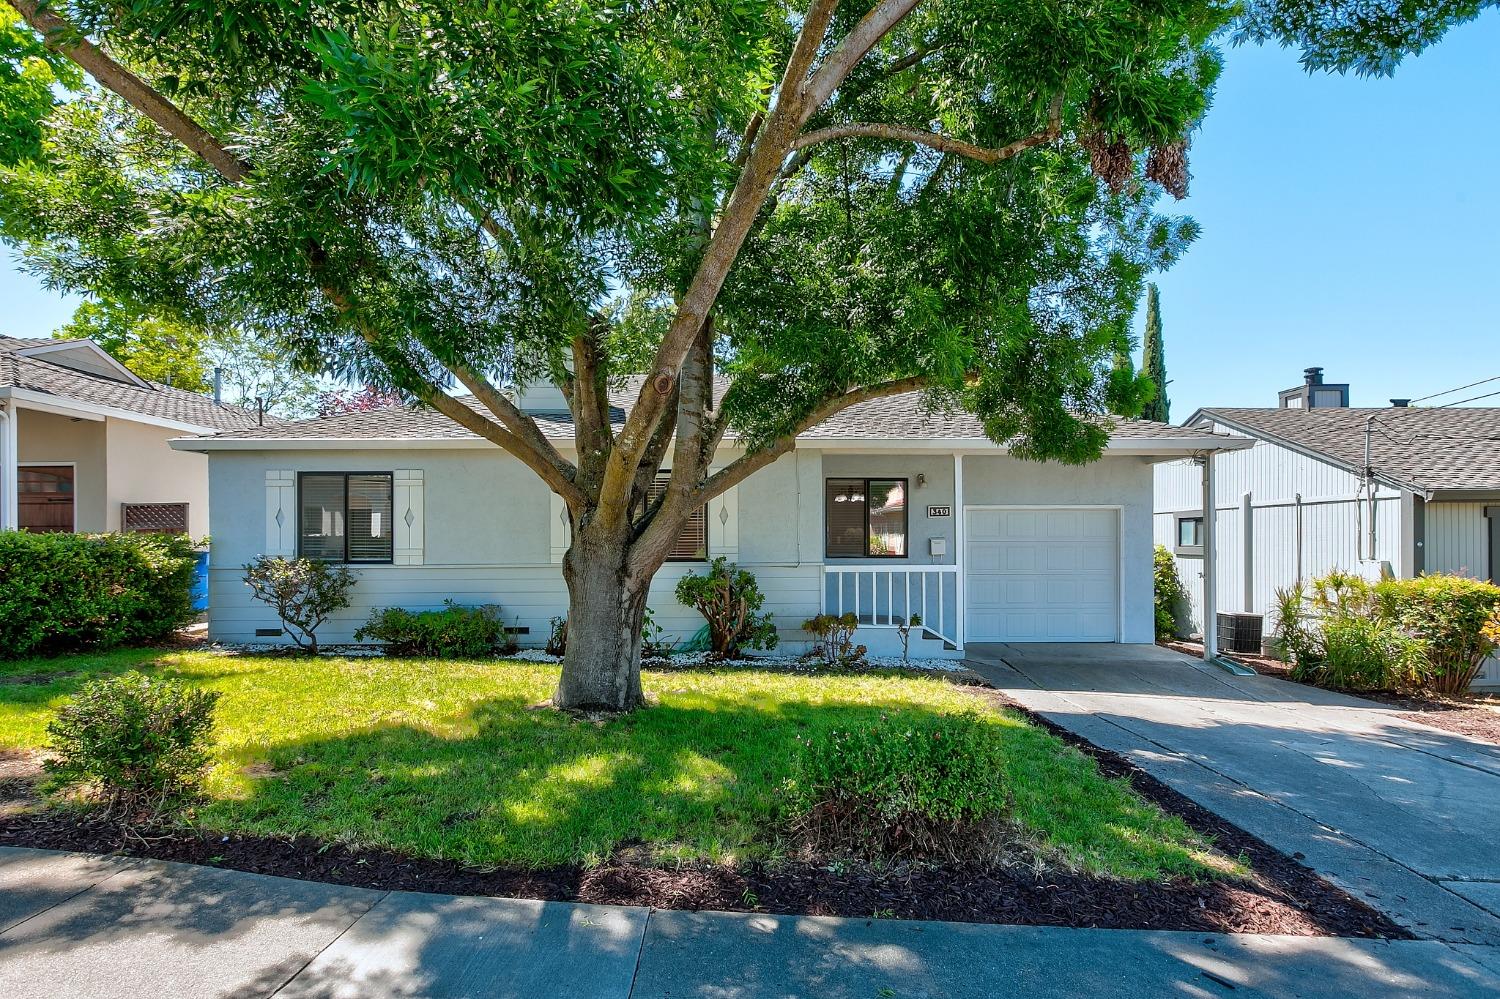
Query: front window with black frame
346, 517
865, 518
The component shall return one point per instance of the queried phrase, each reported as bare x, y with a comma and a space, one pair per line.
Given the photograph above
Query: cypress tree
1154, 362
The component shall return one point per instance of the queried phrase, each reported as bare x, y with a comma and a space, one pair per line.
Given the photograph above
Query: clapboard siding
1458, 539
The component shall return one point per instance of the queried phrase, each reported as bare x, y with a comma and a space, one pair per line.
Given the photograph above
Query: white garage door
1041, 575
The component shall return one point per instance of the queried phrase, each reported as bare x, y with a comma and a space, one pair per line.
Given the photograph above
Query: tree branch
60, 36
772, 141
741, 468
942, 143
856, 45
523, 438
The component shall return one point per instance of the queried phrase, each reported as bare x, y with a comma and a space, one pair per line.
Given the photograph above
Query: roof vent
1400, 403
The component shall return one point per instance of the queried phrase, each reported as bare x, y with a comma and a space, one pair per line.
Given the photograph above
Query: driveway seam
640, 951
321, 950
132, 864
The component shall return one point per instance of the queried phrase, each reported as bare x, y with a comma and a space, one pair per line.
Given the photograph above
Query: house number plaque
940, 511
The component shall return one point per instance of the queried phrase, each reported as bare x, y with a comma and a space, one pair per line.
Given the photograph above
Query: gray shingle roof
1424, 449
900, 417
37, 374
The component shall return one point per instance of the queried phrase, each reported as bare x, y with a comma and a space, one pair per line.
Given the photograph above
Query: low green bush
455, 632
1430, 632
63, 592
140, 744
906, 785
1453, 616
833, 640
729, 599
1169, 591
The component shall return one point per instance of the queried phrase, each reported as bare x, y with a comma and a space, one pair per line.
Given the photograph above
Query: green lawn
452, 759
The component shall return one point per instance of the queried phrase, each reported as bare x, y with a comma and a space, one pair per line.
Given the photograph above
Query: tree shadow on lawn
690, 778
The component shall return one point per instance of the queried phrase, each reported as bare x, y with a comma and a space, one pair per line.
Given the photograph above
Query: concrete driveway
1399, 813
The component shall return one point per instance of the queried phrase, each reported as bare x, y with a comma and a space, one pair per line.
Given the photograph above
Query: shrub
1170, 595
63, 592
1452, 616
907, 784
654, 641
140, 743
904, 630
833, 640
302, 591
729, 598
454, 632
557, 638
1363, 653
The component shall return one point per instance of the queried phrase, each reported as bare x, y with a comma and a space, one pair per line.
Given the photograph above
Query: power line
1437, 395
1472, 398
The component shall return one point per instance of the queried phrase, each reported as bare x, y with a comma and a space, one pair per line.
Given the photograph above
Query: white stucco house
84, 443
1307, 496
884, 511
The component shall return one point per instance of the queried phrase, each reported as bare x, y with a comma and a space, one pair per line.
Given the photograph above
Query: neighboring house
1427, 498
84, 443
885, 511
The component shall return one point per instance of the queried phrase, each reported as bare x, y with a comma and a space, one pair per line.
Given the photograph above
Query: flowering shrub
907, 784
303, 592
1453, 616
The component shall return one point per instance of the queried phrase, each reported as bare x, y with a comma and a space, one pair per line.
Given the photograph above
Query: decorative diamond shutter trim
408, 514
281, 513
724, 511
560, 527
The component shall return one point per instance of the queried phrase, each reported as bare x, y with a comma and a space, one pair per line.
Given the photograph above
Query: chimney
1312, 376
1400, 403
218, 386
1314, 393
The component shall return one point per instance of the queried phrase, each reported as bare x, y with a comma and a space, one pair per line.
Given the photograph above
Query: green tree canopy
824, 202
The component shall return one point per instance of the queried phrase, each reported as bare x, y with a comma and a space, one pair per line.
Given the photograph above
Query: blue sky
1348, 223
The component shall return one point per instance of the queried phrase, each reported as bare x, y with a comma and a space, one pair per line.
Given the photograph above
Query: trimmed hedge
64, 592
455, 632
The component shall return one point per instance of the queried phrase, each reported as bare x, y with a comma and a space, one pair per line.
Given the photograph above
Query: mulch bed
1474, 715
1282, 896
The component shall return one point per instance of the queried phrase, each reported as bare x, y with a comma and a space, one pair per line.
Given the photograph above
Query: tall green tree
1154, 362
823, 202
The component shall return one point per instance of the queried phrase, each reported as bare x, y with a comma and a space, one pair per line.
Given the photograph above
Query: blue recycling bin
200, 582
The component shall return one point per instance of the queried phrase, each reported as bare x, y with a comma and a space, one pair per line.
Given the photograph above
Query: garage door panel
1036, 575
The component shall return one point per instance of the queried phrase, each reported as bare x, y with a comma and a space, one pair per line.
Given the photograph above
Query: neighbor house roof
31, 371
1425, 450
896, 419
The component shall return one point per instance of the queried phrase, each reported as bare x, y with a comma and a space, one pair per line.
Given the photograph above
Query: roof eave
78, 409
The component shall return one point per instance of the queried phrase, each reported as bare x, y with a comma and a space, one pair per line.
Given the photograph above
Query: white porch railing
883, 597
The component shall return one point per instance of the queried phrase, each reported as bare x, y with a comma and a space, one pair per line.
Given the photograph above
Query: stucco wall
46, 438
487, 531
143, 468
1115, 482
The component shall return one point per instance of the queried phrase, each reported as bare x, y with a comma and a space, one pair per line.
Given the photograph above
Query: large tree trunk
602, 664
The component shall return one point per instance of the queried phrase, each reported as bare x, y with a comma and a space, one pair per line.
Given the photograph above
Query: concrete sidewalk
1398, 813
75, 926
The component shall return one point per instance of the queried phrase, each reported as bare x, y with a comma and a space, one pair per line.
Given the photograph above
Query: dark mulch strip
1465, 715
1282, 896
1279, 880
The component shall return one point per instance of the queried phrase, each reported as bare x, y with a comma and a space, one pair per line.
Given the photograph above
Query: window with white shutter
345, 517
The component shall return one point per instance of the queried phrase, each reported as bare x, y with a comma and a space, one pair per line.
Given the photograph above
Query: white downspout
959, 609
9, 468
1210, 568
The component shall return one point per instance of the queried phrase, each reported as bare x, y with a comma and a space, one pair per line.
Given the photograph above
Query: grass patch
452, 760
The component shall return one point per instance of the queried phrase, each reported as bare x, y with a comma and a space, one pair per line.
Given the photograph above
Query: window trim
1192, 551
905, 514
390, 477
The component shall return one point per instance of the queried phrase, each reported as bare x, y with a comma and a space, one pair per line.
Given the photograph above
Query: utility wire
1437, 395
